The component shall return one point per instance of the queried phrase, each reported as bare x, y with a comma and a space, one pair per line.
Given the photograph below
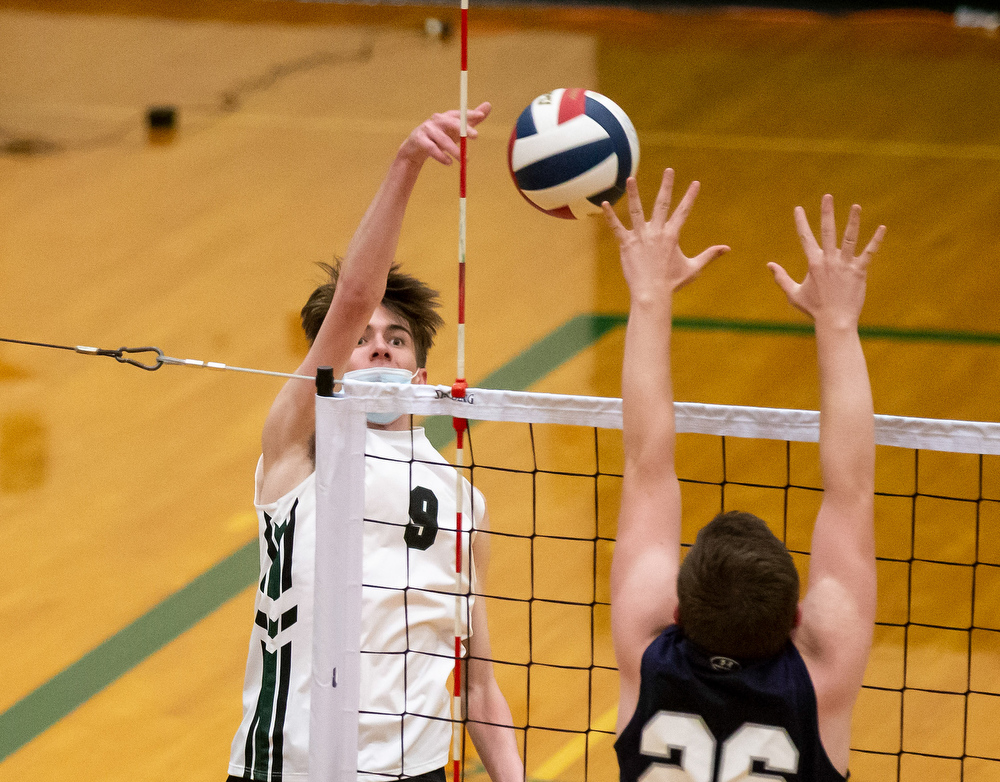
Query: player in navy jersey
724, 673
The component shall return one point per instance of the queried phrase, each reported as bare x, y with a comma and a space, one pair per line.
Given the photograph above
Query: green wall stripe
928, 335
866, 332
103, 665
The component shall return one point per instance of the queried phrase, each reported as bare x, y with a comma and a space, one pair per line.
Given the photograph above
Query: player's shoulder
836, 673
833, 635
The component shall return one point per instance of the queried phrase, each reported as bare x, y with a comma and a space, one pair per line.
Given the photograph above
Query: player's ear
420, 378
677, 614
798, 615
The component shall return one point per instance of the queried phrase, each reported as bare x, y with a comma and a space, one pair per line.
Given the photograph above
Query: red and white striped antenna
458, 391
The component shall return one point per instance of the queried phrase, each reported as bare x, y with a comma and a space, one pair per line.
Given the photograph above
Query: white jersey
408, 618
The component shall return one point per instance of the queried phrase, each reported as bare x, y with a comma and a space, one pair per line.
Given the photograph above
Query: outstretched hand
438, 137
834, 287
651, 258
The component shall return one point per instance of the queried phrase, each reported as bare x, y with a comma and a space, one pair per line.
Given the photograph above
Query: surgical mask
381, 375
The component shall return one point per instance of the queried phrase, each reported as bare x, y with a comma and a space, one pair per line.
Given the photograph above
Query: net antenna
458, 391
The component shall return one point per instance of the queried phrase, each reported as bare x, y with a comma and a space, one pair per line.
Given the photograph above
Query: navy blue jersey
718, 719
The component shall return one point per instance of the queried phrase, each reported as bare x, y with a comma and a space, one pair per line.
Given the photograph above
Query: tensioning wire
122, 356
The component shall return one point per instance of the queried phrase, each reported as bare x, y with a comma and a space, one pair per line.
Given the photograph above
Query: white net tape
606, 413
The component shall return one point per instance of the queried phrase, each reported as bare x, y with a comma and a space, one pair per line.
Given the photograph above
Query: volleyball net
550, 470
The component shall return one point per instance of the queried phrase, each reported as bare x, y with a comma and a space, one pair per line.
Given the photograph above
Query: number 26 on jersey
668, 733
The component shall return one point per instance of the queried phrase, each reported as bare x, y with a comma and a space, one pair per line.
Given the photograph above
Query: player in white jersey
369, 316
409, 571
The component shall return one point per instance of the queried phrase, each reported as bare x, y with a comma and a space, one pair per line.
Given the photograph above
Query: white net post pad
336, 684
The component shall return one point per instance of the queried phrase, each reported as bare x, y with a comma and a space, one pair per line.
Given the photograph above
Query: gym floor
121, 491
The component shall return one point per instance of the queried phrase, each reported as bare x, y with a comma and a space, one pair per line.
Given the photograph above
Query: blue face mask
381, 375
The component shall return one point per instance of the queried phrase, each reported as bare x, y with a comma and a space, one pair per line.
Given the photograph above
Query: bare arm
361, 285
838, 611
647, 550
490, 722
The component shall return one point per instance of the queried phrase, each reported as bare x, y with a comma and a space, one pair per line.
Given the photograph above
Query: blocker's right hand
834, 286
438, 137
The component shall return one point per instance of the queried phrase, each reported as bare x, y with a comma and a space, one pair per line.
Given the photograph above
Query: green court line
130, 646
104, 664
530, 366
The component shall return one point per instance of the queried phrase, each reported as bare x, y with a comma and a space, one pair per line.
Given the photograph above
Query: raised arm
838, 611
647, 550
290, 424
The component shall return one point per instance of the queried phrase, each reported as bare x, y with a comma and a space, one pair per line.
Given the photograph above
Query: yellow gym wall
119, 488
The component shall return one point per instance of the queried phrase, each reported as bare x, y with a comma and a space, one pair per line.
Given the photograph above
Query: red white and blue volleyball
570, 150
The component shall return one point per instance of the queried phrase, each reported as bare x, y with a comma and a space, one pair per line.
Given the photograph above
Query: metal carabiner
121, 359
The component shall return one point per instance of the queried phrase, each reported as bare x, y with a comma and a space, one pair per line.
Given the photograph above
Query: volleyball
570, 150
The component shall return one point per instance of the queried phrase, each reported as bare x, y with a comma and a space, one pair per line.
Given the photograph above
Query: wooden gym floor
126, 496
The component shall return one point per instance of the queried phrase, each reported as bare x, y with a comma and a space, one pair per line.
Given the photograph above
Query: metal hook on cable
119, 356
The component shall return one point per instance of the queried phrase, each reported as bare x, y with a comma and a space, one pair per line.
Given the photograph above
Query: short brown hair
405, 296
738, 588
